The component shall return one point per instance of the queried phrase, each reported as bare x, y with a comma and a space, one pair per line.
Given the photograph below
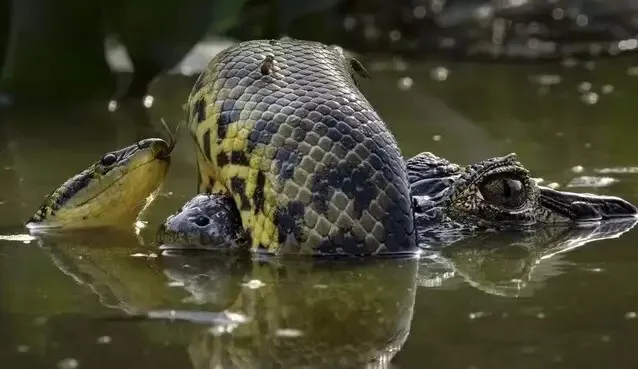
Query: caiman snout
582, 207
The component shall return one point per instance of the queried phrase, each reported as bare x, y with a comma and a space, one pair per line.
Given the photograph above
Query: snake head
112, 191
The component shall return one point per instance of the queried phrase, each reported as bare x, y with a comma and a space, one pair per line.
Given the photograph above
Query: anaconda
293, 158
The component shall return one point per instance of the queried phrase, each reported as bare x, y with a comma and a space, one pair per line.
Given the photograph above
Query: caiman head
499, 193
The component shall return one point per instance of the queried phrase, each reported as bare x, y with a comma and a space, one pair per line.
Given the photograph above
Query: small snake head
209, 222
112, 191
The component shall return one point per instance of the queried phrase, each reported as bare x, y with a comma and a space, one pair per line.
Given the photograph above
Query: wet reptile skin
282, 127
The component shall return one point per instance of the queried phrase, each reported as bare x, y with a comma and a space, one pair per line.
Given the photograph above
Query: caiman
293, 159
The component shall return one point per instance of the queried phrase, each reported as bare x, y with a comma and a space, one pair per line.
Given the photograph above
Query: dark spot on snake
211, 184
289, 220
347, 186
77, 184
206, 139
228, 105
322, 191
296, 208
287, 170
352, 180
326, 246
399, 233
226, 118
258, 195
247, 234
239, 157
222, 129
260, 125
334, 134
350, 243
283, 155
200, 109
285, 163
344, 242
238, 186
222, 159
272, 126
253, 139
348, 142
330, 122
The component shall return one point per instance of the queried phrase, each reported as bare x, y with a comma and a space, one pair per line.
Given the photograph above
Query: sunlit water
107, 300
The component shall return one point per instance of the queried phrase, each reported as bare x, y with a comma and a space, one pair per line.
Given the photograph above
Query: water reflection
245, 313
512, 264
286, 313
306, 314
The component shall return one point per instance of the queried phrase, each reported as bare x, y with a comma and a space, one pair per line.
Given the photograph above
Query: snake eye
505, 191
108, 160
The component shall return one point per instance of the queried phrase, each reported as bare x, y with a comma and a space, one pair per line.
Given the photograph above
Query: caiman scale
292, 158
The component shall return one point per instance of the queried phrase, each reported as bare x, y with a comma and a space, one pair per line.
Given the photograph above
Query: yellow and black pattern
281, 126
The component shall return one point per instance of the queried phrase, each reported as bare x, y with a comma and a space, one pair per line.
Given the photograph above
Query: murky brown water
498, 302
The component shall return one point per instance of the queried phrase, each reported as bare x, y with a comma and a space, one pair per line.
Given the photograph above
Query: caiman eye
504, 191
108, 160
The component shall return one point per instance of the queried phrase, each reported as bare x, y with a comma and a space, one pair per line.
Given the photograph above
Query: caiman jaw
110, 192
559, 207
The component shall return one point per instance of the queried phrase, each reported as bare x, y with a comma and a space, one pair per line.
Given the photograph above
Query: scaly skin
283, 129
293, 158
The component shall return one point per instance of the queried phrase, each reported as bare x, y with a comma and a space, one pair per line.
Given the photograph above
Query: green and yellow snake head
112, 191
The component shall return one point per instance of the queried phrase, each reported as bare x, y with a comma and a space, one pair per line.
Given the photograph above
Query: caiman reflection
511, 264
